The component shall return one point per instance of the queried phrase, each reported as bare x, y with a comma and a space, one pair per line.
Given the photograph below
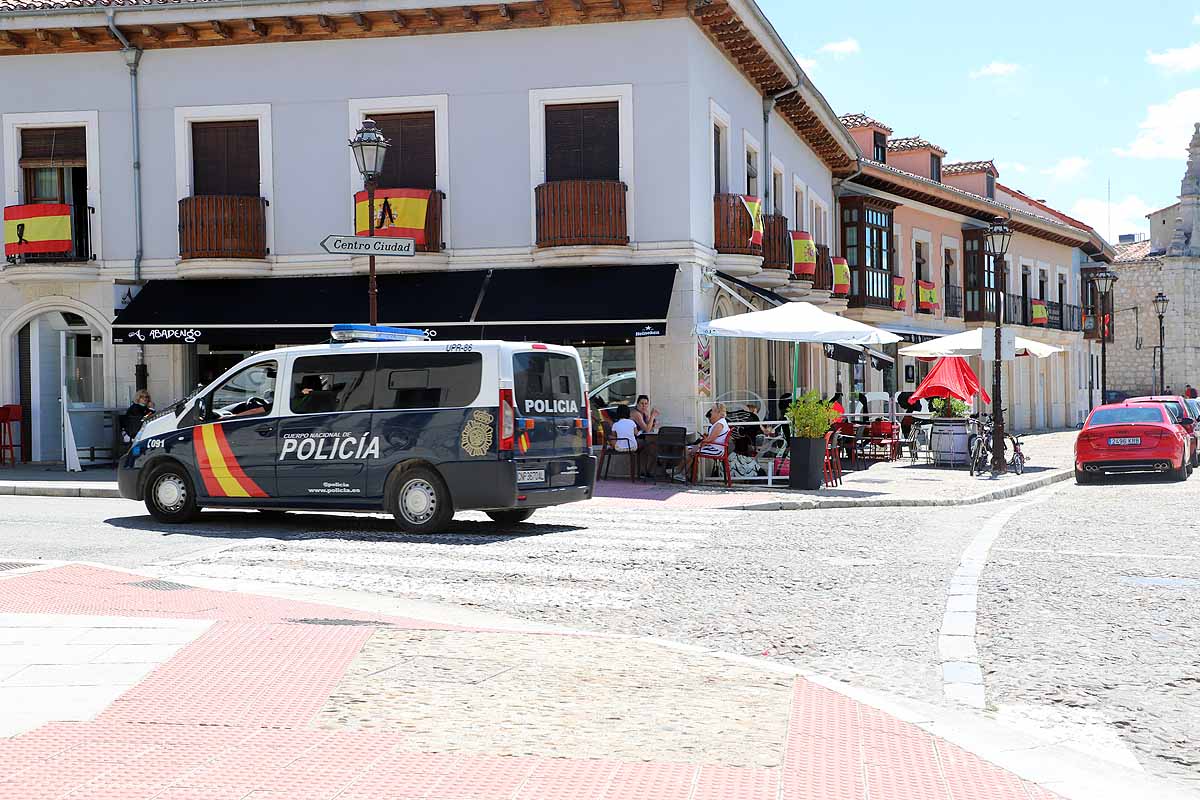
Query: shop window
583, 142
225, 158
411, 161
427, 380
331, 384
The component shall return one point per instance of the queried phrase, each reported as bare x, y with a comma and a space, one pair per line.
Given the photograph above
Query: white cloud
1166, 130
1128, 215
845, 47
807, 64
996, 69
1067, 168
1177, 59
1011, 166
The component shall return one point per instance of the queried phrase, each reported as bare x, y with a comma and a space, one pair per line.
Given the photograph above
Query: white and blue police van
377, 419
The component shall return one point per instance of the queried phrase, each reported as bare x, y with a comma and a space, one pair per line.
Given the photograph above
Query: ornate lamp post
370, 148
997, 239
1160, 308
1104, 284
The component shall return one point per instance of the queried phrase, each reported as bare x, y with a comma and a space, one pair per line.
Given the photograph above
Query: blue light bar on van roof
376, 333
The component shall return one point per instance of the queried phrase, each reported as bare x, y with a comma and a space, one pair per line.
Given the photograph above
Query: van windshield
547, 384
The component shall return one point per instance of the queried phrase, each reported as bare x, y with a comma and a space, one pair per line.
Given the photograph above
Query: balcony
823, 278
870, 288
1072, 318
777, 242
952, 301
1016, 310
222, 226
732, 227
31, 220
581, 212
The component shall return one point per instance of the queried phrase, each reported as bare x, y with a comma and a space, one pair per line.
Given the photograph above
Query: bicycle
981, 449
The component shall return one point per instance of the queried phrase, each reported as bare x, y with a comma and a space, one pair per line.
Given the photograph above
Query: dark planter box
808, 462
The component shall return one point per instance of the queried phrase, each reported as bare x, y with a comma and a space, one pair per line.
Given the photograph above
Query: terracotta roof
912, 143
1132, 251
964, 167
862, 121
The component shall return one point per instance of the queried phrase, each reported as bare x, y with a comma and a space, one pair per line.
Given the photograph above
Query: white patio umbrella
970, 343
798, 322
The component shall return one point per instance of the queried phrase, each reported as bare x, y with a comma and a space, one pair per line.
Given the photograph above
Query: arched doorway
52, 351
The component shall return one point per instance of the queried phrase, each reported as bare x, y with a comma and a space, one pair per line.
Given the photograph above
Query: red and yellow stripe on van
219, 468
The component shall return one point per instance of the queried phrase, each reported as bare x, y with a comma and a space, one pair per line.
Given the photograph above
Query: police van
378, 419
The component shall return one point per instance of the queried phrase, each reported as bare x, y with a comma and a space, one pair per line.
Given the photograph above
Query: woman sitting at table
644, 417
625, 440
713, 443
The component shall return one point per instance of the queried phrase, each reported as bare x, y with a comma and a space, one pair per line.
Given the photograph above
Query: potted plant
949, 407
950, 439
809, 418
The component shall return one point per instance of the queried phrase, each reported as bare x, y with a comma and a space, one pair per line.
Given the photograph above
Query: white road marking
1095, 554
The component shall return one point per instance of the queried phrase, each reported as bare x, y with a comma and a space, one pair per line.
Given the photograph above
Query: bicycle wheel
978, 457
1017, 462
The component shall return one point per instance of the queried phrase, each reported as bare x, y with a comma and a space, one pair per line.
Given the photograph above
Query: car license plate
1125, 440
531, 476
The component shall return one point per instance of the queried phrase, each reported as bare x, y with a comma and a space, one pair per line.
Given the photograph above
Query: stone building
1162, 263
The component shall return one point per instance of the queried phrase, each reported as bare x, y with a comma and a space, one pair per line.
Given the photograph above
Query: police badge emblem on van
478, 434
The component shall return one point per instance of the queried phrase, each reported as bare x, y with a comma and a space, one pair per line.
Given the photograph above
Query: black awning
562, 304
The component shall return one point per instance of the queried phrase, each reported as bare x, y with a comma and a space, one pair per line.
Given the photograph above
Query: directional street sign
368, 245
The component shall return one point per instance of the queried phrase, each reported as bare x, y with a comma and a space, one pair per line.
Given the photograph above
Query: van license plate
1125, 440
531, 476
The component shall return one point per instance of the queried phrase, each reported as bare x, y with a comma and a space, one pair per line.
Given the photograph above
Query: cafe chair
609, 449
722, 458
672, 449
832, 470
884, 439
10, 416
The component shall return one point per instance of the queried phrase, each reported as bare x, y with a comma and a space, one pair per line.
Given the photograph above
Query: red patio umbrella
951, 376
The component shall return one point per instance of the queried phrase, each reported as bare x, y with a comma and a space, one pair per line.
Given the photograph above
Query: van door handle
265, 430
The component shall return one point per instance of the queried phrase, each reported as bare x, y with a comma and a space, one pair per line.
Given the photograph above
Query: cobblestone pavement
1090, 611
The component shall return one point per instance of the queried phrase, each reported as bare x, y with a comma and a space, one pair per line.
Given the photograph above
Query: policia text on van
379, 419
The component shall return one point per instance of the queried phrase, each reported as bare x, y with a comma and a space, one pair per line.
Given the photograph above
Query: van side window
334, 383
247, 392
547, 383
428, 380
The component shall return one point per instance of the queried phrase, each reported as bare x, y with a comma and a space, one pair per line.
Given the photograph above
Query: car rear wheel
1082, 478
419, 500
170, 496
510, 516
1182, 473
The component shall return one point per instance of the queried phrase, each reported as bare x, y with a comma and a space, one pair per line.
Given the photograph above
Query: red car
1131, 437
1180, 409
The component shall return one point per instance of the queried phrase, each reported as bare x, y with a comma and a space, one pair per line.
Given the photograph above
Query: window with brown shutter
583, 142
225, 158
411, 160
53, 147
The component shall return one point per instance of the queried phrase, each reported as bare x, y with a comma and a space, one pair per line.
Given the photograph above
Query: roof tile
964, 167
912, 143
851, 121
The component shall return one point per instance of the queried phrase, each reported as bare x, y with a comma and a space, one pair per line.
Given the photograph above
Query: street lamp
1104, 284
997, 239
1160, 308
370, 147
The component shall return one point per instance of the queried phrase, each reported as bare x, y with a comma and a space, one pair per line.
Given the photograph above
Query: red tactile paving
227, 719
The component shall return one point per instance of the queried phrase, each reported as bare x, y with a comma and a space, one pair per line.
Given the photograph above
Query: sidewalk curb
70, 490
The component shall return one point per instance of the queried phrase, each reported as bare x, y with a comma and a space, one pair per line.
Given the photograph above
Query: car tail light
508, 413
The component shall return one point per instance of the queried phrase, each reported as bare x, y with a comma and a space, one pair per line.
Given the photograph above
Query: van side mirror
1187, 422
201, 409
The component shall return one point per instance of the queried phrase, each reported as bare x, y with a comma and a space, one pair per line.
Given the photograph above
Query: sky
1066, 96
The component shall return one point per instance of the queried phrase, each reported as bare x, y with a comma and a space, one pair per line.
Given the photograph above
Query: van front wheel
170, 495
420, 501
510, 516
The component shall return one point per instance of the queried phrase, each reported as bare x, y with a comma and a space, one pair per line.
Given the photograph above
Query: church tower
1186, 239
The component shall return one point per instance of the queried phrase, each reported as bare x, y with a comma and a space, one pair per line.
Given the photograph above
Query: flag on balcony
899, 293
399, 213
841, 276
1038, 313
37, 228
804, 254
926, 296
754, 209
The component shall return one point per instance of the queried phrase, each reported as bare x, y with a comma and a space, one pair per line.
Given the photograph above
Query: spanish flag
37, 228
841, 276
804, 254
219, 468
754, 209
1038, 313
899, 293
926, 296
399, 213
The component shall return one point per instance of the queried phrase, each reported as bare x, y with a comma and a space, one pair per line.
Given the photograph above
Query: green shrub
949, 407
809, 416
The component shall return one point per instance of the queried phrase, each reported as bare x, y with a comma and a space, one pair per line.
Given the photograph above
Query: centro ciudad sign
368, 245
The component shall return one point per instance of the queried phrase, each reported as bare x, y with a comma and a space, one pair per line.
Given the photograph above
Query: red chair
883, 437
832, 470
723, 458
9, 416
846, 437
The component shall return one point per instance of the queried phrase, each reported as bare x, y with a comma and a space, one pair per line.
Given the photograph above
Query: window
411, 161
85, 368
798, 214
777, 191
583, 142
935, 167
718, 157
979, 275
427, 380
1042, 285
920, 262
751, 171
247, 392
330, 384
949, 273
547, 384
867, 241
225, 158
880, 154
54, 166
991, 186
820, 223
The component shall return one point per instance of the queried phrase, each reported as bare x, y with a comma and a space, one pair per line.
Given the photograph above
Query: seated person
311, 397
625, 440
745, 436
836, 405
643, 416
141, 407
713, 443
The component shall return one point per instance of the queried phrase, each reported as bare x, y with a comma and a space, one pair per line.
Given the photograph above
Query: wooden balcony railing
823, 279
732, 227
1072, 318
777, 242
952, 301
581, 212
433, 223
1016, 310
222, 226
870, 287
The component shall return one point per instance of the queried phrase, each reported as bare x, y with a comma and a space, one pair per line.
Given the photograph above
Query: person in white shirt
625, 439
713, 442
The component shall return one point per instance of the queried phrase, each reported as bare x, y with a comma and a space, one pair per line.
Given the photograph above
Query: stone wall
1132, 370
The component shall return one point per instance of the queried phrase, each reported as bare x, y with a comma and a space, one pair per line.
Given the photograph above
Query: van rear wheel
170, 496
510, 516
420, 501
